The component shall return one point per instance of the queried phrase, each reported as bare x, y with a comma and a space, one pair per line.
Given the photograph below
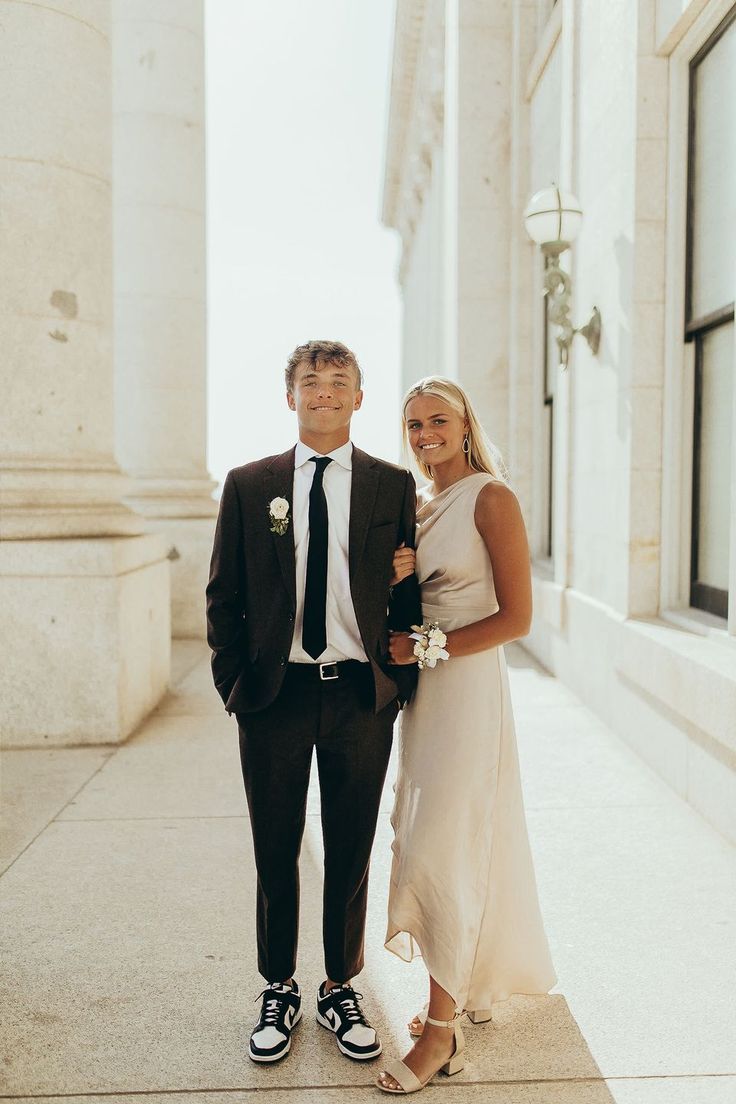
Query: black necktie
314, 631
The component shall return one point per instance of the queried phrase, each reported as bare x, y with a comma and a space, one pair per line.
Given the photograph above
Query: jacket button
283, 661
291, 616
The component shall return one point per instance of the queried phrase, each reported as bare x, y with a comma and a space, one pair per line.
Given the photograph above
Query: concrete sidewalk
127, 910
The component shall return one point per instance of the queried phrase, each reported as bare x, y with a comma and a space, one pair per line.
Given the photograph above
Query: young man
299, 605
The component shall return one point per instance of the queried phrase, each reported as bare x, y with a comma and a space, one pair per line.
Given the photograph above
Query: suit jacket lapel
278, 482
364, 487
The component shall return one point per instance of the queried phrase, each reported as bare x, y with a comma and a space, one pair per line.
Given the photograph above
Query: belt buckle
325, 677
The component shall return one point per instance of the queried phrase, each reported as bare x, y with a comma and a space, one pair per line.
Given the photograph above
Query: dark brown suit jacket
251, 595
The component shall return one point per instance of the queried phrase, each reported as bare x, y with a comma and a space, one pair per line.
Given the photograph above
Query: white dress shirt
343, 635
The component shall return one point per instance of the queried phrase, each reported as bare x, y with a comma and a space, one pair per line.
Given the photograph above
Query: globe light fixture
553, 219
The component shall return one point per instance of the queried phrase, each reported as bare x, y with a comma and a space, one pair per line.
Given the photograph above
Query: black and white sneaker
339, 1011
281, 1011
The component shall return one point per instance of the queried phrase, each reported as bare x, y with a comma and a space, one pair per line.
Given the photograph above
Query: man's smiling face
324, 396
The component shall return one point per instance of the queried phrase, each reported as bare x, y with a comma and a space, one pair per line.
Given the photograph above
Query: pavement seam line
245, 816
156, 819
353, 1086
174, 686
53, 819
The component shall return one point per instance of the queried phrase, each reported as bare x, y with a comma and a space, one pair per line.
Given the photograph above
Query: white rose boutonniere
430, 644
278, 512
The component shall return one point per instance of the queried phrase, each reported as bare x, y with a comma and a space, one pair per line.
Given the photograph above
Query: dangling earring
466, 445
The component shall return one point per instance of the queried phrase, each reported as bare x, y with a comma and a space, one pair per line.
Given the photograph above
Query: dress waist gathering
452, 616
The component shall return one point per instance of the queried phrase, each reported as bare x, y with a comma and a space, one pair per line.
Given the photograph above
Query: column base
46, 500
189, 548
86, 625
175, 497
184, 512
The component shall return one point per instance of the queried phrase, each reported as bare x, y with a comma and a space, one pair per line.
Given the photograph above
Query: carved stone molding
415, 115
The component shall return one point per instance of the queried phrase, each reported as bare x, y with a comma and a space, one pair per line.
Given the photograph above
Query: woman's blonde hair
483, 455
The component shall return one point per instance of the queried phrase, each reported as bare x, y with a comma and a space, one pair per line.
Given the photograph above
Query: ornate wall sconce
553, 219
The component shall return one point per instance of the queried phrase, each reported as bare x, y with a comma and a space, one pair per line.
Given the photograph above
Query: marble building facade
623, 463
107, 510
106, 503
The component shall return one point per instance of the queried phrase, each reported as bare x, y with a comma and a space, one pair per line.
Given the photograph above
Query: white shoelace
349, 1003
270, 1016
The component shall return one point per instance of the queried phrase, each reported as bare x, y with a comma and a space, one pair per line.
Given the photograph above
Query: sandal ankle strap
446, 1023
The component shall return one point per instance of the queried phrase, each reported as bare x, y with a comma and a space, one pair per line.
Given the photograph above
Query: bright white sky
297, 98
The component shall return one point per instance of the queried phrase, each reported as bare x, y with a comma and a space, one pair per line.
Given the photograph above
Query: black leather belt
328, 672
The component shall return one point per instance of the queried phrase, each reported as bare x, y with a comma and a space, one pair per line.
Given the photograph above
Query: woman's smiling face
435, 430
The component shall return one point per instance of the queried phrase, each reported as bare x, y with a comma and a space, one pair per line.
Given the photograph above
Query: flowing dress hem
414, 942
496, 997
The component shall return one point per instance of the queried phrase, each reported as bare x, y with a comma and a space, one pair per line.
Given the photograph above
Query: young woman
463, 893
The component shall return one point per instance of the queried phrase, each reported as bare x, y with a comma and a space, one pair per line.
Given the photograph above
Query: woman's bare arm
499, 521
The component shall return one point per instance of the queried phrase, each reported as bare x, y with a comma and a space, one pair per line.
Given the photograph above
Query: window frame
678, 355
702, 596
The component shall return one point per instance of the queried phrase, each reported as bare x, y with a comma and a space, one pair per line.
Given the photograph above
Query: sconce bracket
591, 331
558, 292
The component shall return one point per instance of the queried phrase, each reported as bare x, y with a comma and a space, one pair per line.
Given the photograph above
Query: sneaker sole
348, 1053
276, 1057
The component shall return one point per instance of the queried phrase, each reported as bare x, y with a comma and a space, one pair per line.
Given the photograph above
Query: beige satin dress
463, 892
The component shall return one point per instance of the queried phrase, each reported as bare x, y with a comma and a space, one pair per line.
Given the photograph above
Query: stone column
477, 119
84, 612
525, 403
159, 225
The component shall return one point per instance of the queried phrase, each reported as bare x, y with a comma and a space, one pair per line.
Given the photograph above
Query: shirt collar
342, 455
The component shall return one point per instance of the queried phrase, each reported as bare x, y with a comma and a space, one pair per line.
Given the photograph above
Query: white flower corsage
278, 511
430, 644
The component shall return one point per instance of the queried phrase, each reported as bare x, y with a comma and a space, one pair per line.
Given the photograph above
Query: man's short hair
321, 352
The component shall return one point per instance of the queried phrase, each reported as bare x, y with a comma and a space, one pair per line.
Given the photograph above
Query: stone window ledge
548, 596
692, 675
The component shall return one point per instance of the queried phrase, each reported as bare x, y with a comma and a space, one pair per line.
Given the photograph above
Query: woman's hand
401, 649
405, 562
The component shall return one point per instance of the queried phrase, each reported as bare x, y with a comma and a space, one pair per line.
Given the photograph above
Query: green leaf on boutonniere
278, 512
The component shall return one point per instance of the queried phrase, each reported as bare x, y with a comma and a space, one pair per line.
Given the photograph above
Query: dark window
709, 308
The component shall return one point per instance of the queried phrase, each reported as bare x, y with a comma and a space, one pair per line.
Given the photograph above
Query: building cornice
415, 114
